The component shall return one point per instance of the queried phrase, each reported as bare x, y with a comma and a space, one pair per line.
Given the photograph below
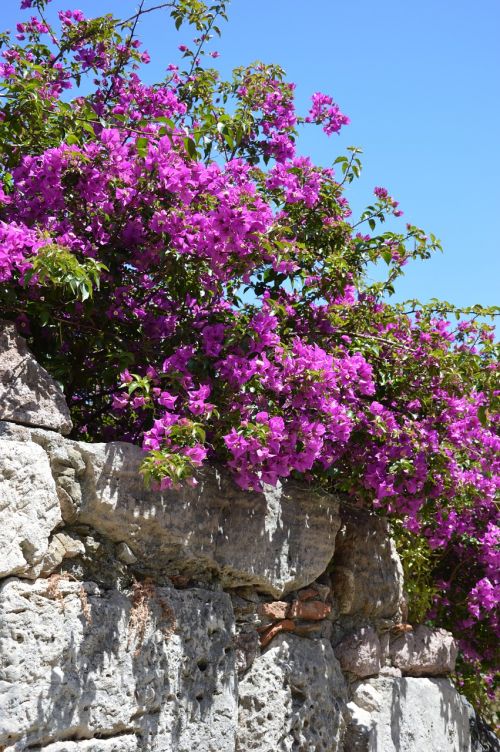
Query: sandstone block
309, 610
274, 610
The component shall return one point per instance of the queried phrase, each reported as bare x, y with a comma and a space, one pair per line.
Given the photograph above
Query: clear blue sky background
420, 82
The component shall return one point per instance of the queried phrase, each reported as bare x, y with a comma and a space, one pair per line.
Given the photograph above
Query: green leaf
141, 146
482, 414
190, 147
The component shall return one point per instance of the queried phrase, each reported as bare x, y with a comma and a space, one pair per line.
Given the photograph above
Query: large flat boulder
279, 540
153, 669
28, 394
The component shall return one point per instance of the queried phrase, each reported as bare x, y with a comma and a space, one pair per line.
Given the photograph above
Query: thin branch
121, 63
348, 168
142, 12
389, 342
204, 38
117, 25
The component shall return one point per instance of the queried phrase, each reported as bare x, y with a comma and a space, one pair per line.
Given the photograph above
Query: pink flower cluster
324, 111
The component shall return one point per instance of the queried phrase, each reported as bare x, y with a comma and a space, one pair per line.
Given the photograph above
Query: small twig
204, 38
348, 168
389, 342
142, 12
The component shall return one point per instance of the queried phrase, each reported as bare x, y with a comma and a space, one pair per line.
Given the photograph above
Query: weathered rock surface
359, 652
28, 394
424, 652
292, 699
67, 464
203, 528
62, 546
407, 715
367, 575
82, 663
193, 531
120, 743
29, 508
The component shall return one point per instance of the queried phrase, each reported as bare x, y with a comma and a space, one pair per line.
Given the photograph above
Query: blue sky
420, 82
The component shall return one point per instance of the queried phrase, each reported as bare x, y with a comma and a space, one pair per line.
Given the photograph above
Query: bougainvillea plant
199, 286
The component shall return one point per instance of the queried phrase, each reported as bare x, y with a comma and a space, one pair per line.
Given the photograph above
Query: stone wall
199, 620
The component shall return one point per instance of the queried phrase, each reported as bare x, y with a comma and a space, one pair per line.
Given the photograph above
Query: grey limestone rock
243, 538
367, 575
424, 652
65, 458
359, 652
29, 508
124, 553
68, 468
62, 546
77, 663
28, 394
292, 699
14, 432
407, 715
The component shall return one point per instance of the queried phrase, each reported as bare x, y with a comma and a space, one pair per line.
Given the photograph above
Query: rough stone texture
359, 652
292, 699
309, 610
424, 652
81, 663
124, 553
66, 462
68, 469
61, 547
407, 715
202, 529
14, 432
247, 649
274, 610
367, 575
29, 508
28, 394
120, 743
